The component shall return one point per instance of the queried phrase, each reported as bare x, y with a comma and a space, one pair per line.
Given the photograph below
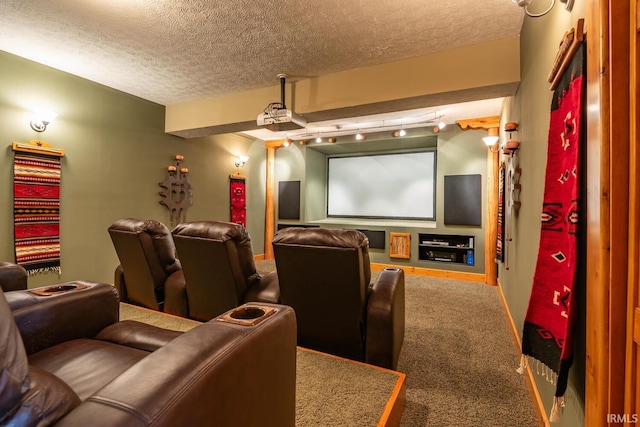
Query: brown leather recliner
66, 360
325, 276
219, 268
13, 277
149, 269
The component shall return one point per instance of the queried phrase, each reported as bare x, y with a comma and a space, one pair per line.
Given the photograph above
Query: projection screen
394, 186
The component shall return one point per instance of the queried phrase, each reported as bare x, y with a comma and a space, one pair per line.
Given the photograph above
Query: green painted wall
530, 107
116, 154
458, 153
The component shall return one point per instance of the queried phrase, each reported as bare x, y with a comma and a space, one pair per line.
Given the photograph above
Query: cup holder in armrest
247, 315
58, 289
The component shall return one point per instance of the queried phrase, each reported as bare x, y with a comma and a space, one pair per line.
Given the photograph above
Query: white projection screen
394, 186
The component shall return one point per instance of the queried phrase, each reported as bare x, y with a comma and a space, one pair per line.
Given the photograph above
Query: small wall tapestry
36, 212
176, 192
500, 228
238, 199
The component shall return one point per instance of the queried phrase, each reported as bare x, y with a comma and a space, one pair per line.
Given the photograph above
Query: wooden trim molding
269, 208
432, 272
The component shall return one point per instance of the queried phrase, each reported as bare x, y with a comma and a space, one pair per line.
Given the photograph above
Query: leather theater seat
13, 277
67, 360
219, 268
149, 269
325, 275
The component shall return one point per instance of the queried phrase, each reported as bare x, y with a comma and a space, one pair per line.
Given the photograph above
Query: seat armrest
119, 283
265, 289
175, 295
219, 372
45, 321
13, 277
385, 319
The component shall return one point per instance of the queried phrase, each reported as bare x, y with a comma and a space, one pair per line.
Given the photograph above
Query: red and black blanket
36, 212
548, 326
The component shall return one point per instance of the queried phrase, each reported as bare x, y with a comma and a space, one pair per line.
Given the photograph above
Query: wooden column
269, 207
491, 125
491, 224
608, 36
632, 368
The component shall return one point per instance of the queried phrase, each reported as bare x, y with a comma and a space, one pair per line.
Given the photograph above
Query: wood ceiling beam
479, 123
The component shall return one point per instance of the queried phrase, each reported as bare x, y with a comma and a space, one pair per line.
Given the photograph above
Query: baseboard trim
432, 272
420, 271
534, 393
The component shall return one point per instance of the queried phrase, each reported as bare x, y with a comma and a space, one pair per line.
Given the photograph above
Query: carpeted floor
459, 357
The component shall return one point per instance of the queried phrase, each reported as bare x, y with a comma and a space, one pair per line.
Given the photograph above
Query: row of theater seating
216, 270
201, 269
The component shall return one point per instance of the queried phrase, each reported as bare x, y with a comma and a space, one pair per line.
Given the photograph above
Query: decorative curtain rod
568, 47
38, 147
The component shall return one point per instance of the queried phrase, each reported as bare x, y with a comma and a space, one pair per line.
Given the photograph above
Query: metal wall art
176, 192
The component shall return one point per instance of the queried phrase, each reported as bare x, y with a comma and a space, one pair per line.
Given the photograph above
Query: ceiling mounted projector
277, 117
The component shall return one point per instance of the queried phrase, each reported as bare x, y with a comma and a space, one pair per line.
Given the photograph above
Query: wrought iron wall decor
176, 192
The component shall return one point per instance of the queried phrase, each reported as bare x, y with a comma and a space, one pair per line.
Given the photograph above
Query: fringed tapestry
548, 327
36, 212
500, 228
238, 199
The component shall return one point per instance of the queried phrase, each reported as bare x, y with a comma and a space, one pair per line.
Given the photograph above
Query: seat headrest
14, 376
215, 230
134, 225
159, 235
312, 236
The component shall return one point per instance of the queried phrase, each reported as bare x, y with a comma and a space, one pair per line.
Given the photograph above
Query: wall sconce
525, 5
241, 161
41, 119
492, 137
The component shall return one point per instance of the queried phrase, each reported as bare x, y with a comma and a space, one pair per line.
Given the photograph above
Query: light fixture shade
490, 140
41, 119
240, 161
492, 137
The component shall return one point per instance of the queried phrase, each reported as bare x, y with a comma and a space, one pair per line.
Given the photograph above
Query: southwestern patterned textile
36, 212
548, 326
501, 207
238, 201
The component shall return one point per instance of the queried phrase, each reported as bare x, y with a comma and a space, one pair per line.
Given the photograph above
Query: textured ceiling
170, 51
